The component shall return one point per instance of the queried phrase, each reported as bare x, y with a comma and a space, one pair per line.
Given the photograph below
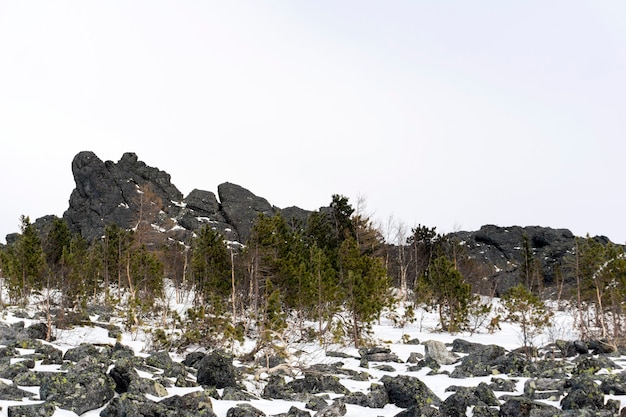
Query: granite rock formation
109, 192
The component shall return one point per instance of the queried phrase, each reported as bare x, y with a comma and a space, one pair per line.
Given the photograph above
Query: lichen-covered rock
216, 369
133, 405
31, 378
296, 412
13, 393
407, 391
10, 370
544, 389
244, 410
84, 387
128, 380
85, 350
525, 407
613, 384
420, 411
235, 394
336, 409
502, 384
376, 398
456, 404
480, 362
31, 410
49, 355
588, 364
313, 383
584, 393
198, 403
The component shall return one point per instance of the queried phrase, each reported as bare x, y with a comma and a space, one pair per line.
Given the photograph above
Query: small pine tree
25, 262
443, 285
529, 311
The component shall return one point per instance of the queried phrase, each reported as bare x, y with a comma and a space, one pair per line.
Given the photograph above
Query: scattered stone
217, 369
13, 393
198, 403
378, 354
244, 410
313, 383
525, 407
32, 410
84, 387
583, 393
296, 412
438, 352
235, 394
407, 391
336, 409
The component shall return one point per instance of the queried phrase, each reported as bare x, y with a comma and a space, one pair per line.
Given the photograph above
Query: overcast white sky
451, 114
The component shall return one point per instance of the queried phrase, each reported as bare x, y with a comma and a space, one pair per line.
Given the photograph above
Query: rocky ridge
110, 193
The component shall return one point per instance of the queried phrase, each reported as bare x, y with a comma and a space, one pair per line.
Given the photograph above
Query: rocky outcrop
116, 193
241, 208
108, 193
502, 250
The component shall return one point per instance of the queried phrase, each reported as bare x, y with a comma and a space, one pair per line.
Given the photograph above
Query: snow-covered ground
384, 334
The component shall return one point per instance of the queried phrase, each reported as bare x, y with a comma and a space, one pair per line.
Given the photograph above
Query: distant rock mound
111, 193
502, 248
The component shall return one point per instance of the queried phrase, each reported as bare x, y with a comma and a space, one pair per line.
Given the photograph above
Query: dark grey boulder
613, 384
13, 393
525, 407
242, 208
336, 409
11, 370
378, 354
127, 379
197, 403
32, 410
314, 383
49, 355
420, 411
276, 388
583, 393
244, 410
544, 389
85, 350
503, 384
407, 391
589, 365
31, 378
202, 203
376, 398
216, 369
481, 362
316, 403
37, 331
134, 405
296, 412
485, 411
84, 387
456, 404
235, 394
162, 360
193, 359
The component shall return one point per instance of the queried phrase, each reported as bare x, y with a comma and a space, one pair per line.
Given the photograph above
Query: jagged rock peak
107, 192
